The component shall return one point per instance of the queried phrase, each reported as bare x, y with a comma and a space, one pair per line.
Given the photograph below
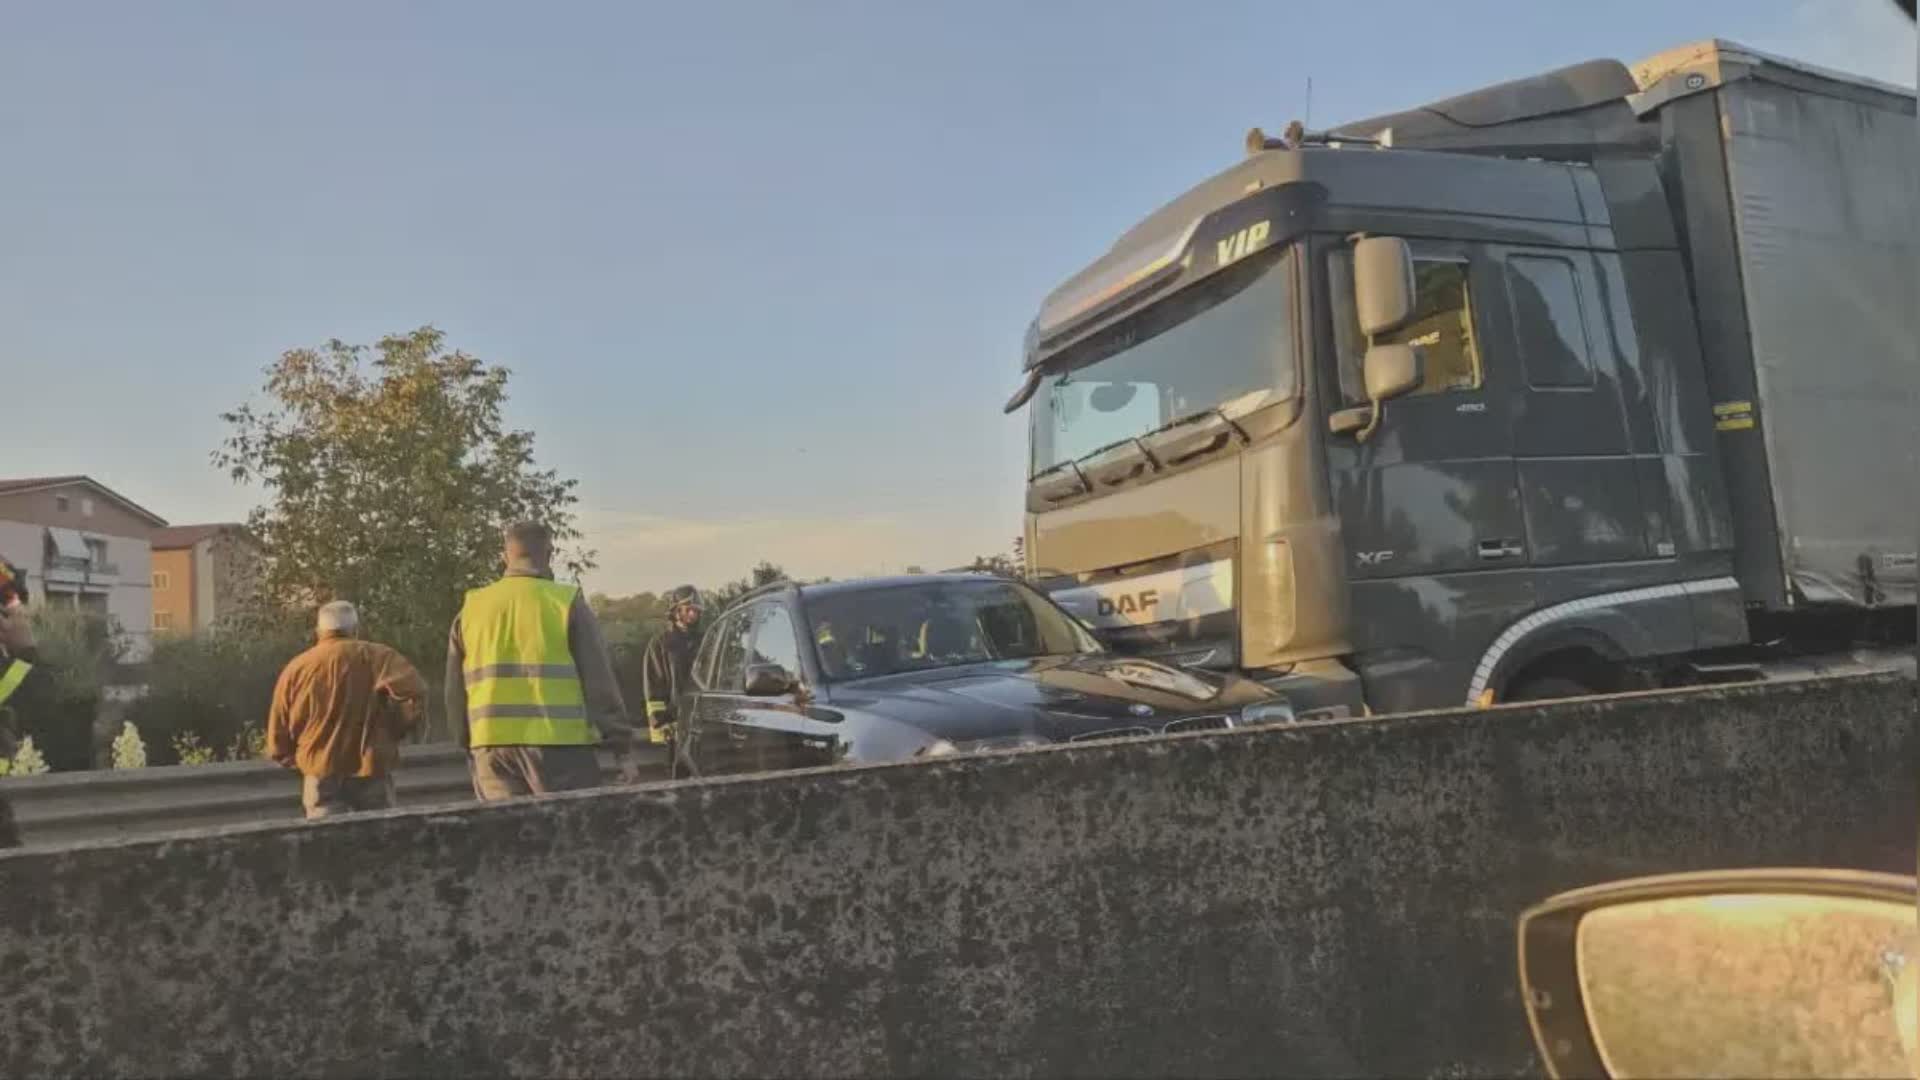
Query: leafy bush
25, 762
79, 650
189, 750
129, 752
211, 692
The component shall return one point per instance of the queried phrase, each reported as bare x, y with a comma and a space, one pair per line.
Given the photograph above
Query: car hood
1057, 697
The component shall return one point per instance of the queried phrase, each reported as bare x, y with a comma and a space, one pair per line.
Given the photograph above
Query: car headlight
1267, 712
1007, 742
946, 747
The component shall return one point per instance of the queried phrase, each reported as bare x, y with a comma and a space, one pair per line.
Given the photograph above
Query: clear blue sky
789, 247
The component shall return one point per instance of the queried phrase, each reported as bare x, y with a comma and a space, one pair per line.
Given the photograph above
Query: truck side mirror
1383, 288
1383, 297
1390, 371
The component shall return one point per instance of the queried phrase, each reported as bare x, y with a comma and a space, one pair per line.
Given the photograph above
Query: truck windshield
1228, 338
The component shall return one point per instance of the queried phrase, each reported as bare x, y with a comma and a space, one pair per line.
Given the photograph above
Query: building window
163, 620
62, 503
97, 552
162, 581
86, 507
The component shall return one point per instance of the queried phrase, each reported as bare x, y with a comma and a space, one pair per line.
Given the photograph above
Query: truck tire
1549, 688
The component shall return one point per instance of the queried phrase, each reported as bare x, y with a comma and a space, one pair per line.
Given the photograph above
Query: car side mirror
1726, 973
768, 680
1389, 371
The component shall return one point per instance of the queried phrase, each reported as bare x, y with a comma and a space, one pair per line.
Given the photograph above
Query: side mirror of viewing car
1759, 973
768, 680
1390, 371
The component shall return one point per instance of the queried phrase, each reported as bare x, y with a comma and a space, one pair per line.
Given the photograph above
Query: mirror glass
1750, 985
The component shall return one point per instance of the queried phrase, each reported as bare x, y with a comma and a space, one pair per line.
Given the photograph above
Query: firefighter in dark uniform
668, 664
24, 681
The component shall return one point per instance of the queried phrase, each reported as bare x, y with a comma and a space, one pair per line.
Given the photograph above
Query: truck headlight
1279, 711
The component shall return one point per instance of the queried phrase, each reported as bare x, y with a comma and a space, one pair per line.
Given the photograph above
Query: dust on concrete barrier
1329, 900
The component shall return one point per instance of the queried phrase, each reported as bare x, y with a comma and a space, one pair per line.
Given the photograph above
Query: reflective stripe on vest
522, 686
11, 679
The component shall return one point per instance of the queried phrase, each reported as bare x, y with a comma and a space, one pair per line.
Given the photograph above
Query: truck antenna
1307, 120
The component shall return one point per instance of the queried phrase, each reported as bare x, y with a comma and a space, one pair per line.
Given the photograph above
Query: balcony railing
68, 565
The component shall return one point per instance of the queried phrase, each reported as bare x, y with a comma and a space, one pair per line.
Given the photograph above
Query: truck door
1578, 487
1429, 506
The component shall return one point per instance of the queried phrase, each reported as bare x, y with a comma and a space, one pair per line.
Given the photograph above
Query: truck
1597, 380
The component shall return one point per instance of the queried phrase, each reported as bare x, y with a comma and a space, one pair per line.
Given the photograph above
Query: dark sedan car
892, 668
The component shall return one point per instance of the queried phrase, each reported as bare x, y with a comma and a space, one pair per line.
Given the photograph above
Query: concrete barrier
58, 809
1331, 900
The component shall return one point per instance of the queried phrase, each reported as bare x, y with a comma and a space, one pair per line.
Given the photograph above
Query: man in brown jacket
339, 713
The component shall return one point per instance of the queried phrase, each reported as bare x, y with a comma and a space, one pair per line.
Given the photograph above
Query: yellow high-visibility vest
11, 679
522, 686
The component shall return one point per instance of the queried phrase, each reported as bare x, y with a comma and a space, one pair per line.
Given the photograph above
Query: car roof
834, 588
858, 585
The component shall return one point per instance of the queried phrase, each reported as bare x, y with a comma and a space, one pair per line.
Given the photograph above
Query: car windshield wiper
1225, 415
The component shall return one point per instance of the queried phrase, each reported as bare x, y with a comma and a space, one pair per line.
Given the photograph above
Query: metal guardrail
55, 809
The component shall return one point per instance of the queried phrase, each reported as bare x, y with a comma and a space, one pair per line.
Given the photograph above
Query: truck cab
1397, 428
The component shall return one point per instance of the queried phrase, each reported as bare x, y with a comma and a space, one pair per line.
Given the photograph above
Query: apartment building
83, 546
200, 573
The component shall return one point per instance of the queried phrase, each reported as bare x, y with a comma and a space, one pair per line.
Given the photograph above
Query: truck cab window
1441, 327
1548, 323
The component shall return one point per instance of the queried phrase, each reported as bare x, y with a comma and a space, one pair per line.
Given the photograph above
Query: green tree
389, 473
763, 573
1010, 565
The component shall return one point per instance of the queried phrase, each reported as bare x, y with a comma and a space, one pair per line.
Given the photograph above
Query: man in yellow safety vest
24, 681
530, 691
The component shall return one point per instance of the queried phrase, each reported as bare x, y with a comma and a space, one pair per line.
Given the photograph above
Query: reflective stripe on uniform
655, 708
11, 679
519, 671
522, 686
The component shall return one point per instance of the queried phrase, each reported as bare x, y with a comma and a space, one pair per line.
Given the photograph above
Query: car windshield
1229, 340
889, 629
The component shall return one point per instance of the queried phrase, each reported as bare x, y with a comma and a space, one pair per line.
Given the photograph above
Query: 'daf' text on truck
1597, 380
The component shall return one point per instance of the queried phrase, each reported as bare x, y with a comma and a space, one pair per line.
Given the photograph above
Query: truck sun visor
1107, 281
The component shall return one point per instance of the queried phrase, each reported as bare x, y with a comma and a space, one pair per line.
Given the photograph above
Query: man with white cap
339, 713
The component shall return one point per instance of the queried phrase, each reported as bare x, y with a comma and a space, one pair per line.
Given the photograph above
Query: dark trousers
504, 772
331, 796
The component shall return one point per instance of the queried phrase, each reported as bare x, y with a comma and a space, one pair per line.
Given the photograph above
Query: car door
784, 732
716, 746
1429, 505
690, 704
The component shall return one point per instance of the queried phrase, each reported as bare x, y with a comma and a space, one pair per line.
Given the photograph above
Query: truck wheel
1549, 688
